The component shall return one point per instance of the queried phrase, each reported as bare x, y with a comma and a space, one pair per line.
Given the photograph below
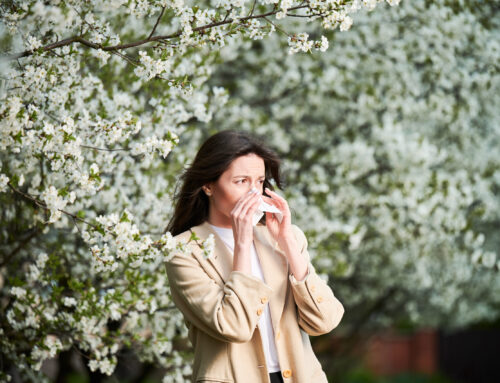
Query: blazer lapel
275, 269
222, 259
272, 260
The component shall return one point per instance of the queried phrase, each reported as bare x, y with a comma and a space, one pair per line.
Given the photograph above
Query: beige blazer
221, 309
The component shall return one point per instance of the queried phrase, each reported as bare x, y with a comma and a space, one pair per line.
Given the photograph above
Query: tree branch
43, 205
96, 148
90, 44
75, 218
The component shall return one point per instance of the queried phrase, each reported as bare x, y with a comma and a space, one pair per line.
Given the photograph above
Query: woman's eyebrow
243, 175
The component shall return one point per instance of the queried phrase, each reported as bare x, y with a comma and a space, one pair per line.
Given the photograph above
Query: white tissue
263, 207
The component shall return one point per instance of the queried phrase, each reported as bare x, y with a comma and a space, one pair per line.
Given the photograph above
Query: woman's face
244, 173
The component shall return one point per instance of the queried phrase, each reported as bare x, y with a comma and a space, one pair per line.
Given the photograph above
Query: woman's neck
219, 220
224, 229
221, 226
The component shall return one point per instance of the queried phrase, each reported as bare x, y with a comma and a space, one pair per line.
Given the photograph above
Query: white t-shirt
265, 324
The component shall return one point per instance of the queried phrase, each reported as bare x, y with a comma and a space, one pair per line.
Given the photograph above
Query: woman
251, 305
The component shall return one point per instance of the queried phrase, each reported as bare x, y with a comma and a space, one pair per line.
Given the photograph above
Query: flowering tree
390, 140
94, 97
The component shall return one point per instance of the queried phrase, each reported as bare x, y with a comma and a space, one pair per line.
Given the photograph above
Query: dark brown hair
212, 159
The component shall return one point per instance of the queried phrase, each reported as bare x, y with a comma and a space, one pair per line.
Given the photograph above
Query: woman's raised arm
319, 311
229, 313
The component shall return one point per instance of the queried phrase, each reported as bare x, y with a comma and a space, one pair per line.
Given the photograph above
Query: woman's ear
207, 189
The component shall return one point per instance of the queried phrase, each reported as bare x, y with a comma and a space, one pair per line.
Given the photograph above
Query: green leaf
14, 180
124, 217
194, 237
63, 192
18, 138
100, 229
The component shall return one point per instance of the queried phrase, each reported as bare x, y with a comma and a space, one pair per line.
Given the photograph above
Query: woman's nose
255, 188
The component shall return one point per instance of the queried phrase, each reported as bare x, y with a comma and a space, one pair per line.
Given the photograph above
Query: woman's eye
244, 180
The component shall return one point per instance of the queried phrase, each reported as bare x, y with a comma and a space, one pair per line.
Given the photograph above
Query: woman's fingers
242, 216
244, 204
240, 202
250, 207
278, 201
269, 200
274, 195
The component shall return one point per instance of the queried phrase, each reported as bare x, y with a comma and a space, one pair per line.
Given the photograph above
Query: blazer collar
272, 260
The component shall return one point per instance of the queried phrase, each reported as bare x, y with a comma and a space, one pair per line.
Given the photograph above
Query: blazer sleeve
319, 311
229, 313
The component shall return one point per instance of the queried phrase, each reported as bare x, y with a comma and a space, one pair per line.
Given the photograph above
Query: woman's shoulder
194, 233
188, 243
299, 235
297, 230
183, 236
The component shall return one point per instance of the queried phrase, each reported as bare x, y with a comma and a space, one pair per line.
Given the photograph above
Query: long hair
213, 158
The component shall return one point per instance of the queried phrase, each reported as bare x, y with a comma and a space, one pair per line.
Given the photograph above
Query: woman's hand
241, 217
280, 232
241, 220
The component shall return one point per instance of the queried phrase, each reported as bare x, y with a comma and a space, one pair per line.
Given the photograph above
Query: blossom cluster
301, 42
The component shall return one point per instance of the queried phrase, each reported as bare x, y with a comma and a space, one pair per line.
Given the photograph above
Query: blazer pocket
212, 356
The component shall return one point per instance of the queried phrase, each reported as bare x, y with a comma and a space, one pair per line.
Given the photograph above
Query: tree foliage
389, 135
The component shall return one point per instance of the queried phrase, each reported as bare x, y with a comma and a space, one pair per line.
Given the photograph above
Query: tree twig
253, 7
276, 26
157, 21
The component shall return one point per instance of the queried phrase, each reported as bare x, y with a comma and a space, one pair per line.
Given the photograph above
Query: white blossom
489, 259
69, 301
54, 202
208, 246
322, 45
18, 292
114, 310
3, 182
33, 43
299, 43
346, 23
102, 55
